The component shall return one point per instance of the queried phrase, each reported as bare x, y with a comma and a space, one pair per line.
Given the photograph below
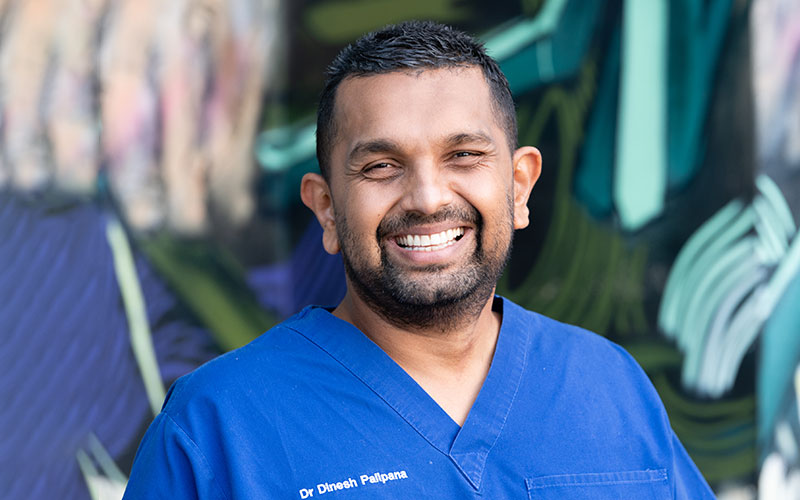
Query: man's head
410, 46
422, 190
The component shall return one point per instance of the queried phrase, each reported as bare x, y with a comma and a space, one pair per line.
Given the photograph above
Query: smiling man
421, 383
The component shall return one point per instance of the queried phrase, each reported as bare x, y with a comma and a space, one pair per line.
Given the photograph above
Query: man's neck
450, 365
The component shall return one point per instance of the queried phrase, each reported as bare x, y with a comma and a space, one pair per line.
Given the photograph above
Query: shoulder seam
200, 453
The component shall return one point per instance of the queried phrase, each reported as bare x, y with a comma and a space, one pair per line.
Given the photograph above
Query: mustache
400, 223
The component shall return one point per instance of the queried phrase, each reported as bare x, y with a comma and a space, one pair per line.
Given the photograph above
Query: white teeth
430, 242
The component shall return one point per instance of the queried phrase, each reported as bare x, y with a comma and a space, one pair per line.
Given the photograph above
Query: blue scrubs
314, 409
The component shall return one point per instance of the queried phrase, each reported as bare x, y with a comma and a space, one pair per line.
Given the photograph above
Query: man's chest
355, 446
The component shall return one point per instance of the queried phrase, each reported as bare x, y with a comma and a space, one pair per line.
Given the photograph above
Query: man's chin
430, 297
425, 294
420, 305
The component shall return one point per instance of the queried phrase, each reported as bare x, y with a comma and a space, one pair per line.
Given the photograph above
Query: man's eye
380, 170
465, 154
377, 167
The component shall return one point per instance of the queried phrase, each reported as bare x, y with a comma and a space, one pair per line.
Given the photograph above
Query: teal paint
671, 303
694, 47
595, 173
641, 163
725, 286
503, 44
279, 149
554, 56
778, 356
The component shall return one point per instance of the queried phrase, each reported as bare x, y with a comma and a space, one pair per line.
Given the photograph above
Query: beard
443, 297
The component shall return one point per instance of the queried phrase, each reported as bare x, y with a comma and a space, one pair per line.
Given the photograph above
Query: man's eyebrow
468, 138
374, 146
387, 146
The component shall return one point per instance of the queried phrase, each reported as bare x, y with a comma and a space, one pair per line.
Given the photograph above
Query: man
421, 383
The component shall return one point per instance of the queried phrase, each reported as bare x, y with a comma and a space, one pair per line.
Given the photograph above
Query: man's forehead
464, 73
374, 104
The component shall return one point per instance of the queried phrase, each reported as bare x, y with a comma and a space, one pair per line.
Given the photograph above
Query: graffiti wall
150, 219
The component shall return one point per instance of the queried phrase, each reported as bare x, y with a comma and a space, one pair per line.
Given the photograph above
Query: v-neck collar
468, 446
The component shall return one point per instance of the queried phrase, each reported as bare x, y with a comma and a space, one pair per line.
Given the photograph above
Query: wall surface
150, 159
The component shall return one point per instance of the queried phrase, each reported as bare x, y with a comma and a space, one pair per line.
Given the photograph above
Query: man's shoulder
551, 333
585, 367
563, 345
277, 358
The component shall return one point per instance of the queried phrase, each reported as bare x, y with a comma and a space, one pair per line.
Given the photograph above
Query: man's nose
427, 190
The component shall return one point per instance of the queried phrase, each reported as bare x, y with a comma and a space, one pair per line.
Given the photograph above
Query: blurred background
150, 159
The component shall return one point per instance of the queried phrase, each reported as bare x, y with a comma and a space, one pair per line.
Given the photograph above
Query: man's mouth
430, 242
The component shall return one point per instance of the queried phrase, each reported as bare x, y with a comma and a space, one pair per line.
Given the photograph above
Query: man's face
422, 188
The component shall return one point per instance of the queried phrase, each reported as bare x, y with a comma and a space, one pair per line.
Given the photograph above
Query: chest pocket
639, 484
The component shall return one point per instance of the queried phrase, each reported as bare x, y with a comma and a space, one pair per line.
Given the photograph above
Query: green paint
654, 357
342, 21
718, 434
720, 467
212, 285
598, 318
136, 312
677, 404
110, 469
633, 280
105, 484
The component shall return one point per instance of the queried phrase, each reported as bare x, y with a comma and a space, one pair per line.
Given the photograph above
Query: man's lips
430, 242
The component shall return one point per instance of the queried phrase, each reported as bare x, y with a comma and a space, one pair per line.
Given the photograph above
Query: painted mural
150, 159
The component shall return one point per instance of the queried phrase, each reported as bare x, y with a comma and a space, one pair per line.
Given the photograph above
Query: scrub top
314, 409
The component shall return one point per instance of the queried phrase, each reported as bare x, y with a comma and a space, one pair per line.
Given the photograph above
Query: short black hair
411, 45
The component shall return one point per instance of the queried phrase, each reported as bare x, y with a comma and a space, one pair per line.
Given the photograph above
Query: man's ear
316, 195
527, 167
